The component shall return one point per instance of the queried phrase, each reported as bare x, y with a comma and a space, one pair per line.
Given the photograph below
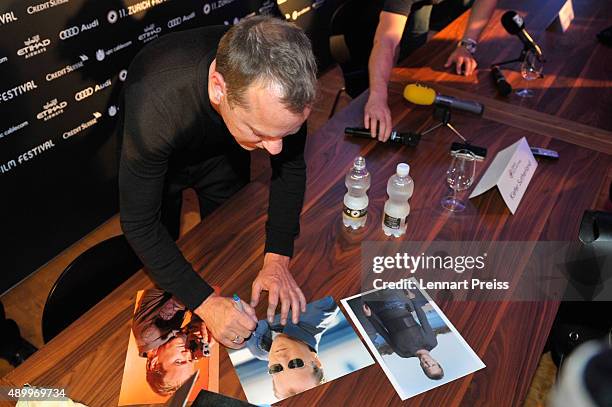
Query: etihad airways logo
87, 92
52, 109
33, 46
76, 30
150, 33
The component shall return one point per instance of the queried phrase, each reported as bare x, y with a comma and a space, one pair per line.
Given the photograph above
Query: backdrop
62, 64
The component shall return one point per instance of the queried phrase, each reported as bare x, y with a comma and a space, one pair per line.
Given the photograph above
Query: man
292, 349
195, 103
386, 50
390, 313
160, 337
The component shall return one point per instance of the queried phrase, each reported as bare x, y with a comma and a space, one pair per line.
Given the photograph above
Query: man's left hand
276, 279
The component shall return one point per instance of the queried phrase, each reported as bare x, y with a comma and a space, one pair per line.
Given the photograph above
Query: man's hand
276, 279
462, 58
367, 311
227, 324
377, 117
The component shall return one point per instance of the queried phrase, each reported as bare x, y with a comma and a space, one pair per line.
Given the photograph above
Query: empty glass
459, 176
531, 68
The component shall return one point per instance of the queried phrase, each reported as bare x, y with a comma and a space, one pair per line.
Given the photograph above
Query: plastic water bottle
357, 181
399, 189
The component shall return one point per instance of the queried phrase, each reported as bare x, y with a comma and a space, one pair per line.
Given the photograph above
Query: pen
238, 302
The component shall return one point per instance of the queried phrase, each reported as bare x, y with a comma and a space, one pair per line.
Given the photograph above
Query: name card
511, 171
562, 21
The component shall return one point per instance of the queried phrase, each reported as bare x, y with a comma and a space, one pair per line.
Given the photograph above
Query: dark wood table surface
577, 83
88, 358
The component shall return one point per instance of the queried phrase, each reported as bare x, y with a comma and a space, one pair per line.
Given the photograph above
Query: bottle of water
399, 189
357, 181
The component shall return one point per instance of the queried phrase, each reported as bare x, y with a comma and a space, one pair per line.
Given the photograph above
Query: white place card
511, 171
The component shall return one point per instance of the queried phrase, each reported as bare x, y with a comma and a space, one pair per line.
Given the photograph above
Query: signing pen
238, 302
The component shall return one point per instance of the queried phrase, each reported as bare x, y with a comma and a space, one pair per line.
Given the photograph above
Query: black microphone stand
443, 114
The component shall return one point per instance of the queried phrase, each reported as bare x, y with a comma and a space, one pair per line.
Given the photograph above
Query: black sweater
170, 125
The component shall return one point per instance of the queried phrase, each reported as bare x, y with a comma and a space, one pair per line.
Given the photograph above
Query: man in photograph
292, 349
390, 313
196, 102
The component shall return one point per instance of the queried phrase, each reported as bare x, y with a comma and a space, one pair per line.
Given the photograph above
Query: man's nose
273, 146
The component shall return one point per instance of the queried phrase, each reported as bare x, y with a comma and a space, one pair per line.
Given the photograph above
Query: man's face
263, 122
292, 381
176, 360
429, 365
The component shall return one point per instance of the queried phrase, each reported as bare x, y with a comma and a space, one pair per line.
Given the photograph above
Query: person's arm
287, 187
377, 116
479, 18
147, 145
428, 333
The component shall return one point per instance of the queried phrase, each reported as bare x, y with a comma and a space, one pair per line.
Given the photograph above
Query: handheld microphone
502, 85
422, 95
407, 139
514, 24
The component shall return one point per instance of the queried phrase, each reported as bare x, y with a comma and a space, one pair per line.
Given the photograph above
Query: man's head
263, 81
430, 366
169, 366
295, 377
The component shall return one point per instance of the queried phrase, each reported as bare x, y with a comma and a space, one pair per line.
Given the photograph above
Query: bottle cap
402, 169
359, 163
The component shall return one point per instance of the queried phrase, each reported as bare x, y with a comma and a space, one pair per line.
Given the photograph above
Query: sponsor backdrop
62, 64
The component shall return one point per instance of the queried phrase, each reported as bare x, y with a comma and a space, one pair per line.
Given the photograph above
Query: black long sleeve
170, 129
286, 194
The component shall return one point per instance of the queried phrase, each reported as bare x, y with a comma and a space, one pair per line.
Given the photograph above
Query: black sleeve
428, 334
402, 7
286, 194
147, 145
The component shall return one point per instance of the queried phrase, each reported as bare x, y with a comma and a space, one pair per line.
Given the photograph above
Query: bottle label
355, 213
391, 222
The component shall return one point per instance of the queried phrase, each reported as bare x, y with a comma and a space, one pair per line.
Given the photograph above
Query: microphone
514, 24
406, 139
422, 95
502, 85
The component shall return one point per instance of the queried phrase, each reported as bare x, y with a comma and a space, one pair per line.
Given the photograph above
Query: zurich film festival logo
112, 16
33, 46
123, 75
7, 18
52, 109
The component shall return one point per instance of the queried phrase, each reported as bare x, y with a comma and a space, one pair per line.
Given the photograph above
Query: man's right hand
227, 324
377, 117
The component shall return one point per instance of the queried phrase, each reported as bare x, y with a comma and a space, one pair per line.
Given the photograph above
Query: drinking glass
531, 68
459, 177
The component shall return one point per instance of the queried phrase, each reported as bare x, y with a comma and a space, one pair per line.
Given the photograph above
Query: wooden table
577, 83
87, 359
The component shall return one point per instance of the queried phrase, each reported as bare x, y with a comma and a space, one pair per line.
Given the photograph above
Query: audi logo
85, 93
174, 22
69, 32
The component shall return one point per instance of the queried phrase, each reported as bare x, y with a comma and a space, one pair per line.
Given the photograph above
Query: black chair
87, 280
352, 28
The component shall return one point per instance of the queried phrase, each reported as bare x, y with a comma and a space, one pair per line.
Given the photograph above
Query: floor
24, 303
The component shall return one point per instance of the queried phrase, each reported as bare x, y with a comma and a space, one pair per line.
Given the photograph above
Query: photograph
281, 361
167, 346
415, 344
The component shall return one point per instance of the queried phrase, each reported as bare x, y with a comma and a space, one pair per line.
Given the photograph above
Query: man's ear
216, 84
317, 362
152, 359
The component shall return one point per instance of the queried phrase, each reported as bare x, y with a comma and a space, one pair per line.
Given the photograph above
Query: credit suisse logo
33, 46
